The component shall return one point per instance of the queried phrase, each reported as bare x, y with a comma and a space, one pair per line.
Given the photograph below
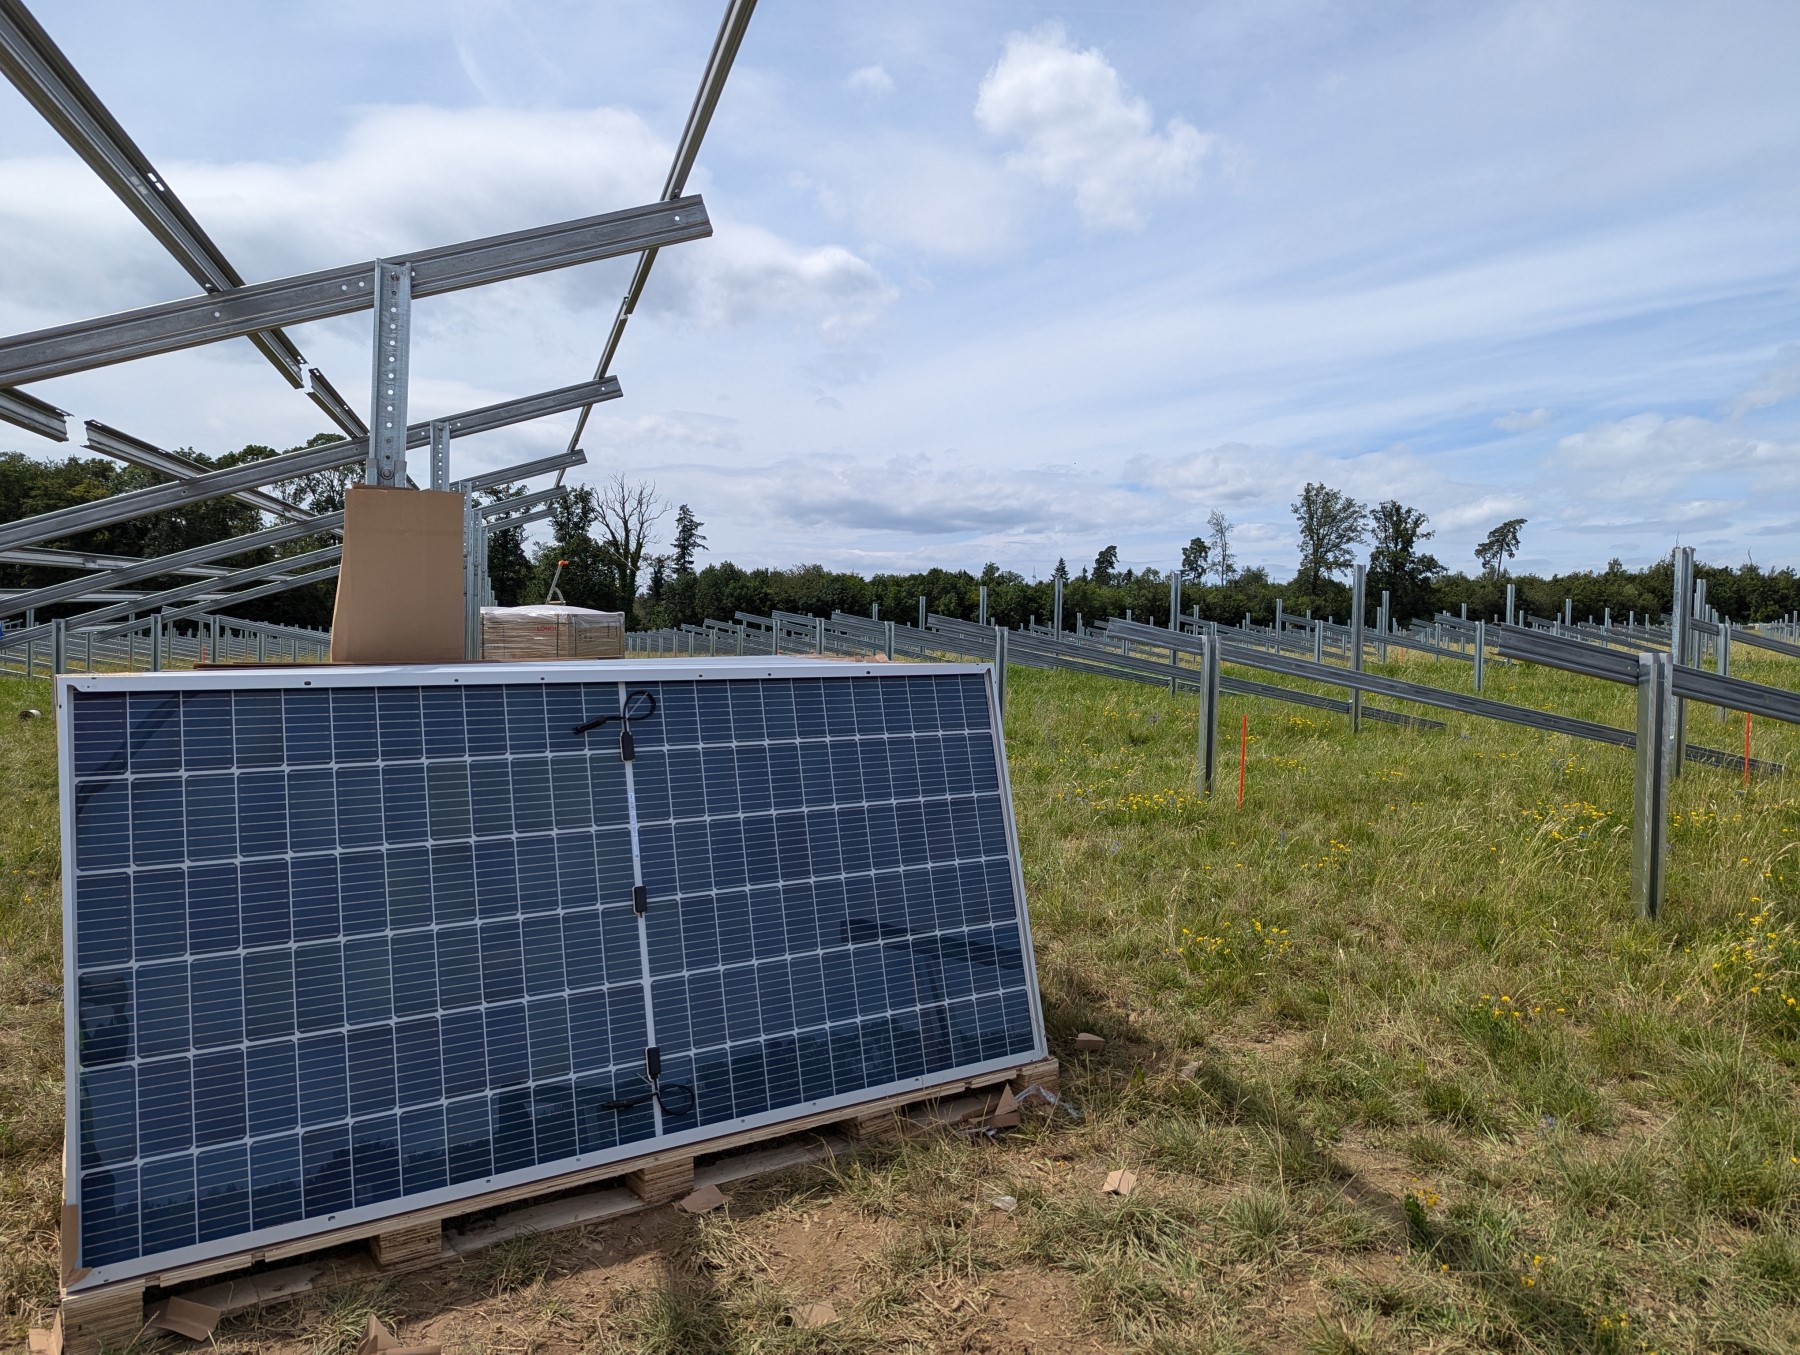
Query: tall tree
1193, 560
1061, 573
1331, 522
586, 578
1219, 529
1500, 546
509, 568
1396, 563
625, 514
1105, 563
687, 541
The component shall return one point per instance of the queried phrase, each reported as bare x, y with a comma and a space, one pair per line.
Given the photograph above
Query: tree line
606, 539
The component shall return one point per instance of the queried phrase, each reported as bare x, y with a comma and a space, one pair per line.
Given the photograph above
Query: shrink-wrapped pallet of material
516, 634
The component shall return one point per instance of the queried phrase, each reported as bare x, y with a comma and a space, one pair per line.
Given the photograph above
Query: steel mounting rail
52, 85
123, 447
270, 589
205, 319
706, 99
138, 503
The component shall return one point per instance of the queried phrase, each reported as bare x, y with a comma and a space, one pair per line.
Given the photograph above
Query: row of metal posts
213, 642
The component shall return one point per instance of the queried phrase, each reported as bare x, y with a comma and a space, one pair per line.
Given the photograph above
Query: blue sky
1008, 281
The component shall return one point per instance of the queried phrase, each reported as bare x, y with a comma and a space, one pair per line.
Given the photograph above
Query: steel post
1480, 653
1175, 600
388, 373
59, 646
888, 625
156, 644
471, 583
981, 612
1724, 648
262, 645
1681, 640
1056, 606
1208, 752
1650, 821
922, 613
1000, 667
440, 454
1357, 588
1384, 622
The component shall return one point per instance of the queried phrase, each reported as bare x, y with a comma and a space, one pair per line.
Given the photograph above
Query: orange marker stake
1243, 757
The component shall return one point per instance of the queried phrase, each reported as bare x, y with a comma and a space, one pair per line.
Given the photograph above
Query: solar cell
347, 942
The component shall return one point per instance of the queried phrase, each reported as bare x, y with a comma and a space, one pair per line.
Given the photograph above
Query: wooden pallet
112, 1316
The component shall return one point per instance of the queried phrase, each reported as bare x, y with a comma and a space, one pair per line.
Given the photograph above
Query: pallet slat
95, 1319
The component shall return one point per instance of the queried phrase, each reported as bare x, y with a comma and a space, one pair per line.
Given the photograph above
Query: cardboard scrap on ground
814, 1315
184, 1317
1119, 1183
707, 1197
1089, 1043
1006, 1114
378, 1340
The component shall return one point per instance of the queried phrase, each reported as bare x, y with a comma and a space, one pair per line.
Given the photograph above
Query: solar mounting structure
228, 309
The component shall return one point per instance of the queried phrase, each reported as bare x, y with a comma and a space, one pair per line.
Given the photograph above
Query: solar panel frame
194, 812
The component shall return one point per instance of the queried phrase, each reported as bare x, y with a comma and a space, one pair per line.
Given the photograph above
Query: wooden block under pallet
873, 1127
1045, 1073
404, 1246
107, 1319
662, 1181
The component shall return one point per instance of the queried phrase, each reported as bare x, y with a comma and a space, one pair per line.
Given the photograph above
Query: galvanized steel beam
193, 321
712, 84
123, 447
265, 590
34, 415
154, 499
208, 587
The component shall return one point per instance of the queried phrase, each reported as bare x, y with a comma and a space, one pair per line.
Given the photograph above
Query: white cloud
1520, 420
1651, 458
408, 178
871, 80
1078, 127
1780, 383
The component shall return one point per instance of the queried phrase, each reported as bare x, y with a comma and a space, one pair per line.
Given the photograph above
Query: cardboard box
400, 587
524, 634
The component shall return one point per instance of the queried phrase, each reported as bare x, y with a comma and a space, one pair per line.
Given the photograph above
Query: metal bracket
393, 344
440, 454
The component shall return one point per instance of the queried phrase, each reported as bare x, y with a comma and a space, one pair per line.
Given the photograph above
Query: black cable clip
639, 705
680, 1093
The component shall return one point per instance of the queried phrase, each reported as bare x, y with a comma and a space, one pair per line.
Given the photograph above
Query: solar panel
343, 943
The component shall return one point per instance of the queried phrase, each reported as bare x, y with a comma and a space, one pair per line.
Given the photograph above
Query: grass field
1396, 1066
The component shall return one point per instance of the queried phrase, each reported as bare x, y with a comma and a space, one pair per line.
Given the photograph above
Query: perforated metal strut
387, 414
